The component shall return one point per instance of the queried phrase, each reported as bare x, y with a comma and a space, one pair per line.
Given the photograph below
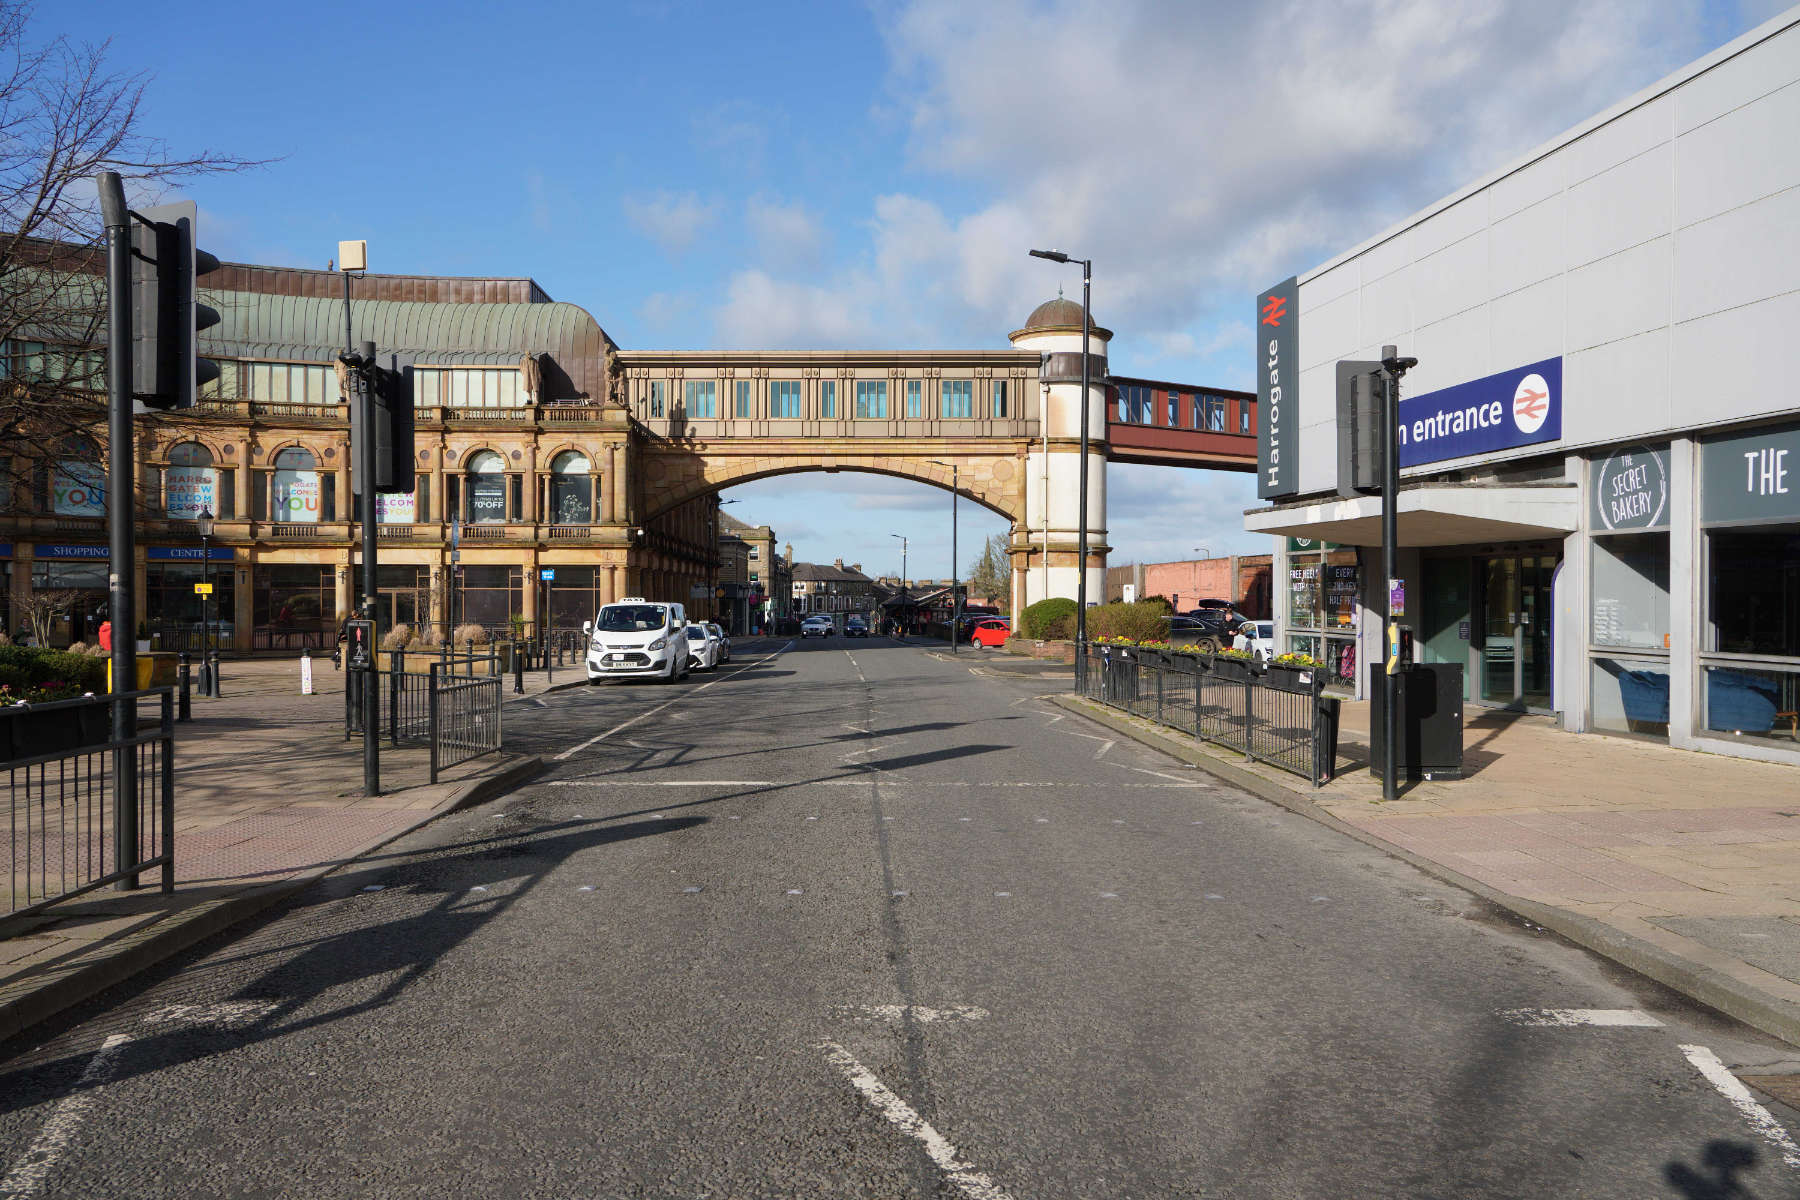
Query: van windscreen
630, 618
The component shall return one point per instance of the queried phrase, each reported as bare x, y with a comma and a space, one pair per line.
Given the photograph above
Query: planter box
1293, 679
31, 731
1233, 670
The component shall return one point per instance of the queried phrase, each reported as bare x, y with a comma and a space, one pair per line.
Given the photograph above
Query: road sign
203, 589
547, 574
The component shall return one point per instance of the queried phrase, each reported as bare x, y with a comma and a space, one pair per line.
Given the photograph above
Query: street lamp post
955, 591
1081, 541
903, 587
208, 664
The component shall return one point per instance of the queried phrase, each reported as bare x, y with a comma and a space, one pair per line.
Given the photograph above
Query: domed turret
1057, 316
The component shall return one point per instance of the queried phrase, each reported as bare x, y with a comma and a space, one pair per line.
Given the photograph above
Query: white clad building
1600, 492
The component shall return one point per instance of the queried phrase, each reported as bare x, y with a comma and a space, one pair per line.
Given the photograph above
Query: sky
834, 174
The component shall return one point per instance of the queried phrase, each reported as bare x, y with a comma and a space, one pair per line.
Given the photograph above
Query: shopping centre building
1599, 510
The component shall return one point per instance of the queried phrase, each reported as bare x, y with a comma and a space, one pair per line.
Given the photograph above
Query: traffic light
1361, 425
165, 315
392, 385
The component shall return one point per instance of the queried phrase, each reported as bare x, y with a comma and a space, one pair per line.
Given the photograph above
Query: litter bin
1429, 742
1325, 737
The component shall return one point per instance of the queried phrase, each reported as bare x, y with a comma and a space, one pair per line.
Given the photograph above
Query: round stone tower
1045, 553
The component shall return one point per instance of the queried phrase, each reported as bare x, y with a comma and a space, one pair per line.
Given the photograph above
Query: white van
637, 637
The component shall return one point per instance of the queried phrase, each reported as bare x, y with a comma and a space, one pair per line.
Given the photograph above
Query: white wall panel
1756, 72
1527, 247
1329, 285
1737, 364
1451, 351
1618, 390
1527, 186
1527, 325
1331, 330
1745, 155
1450, 281
1620, 140
1622, 207
1619, 296
1387, 308
1390, 256
1747, 254
1452, 225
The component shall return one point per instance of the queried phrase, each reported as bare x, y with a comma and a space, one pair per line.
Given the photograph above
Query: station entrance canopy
1431, 515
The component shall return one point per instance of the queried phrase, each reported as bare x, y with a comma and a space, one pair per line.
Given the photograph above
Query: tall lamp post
955, 590
208, 661
1081, 541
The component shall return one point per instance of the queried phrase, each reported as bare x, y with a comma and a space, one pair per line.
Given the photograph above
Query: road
855, 919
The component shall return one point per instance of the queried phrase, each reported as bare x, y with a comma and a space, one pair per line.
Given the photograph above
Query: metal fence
62, 829
462, 719
1282, 718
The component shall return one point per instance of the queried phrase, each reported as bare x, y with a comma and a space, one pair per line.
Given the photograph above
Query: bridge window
702, 399
999, 399
1146, 407
1124, 404
1215, 413
784, 400
1199, 411
958, 400
828, 399
915, 399
871, 400
657, 398
1243, 416
1174, 421
744, 410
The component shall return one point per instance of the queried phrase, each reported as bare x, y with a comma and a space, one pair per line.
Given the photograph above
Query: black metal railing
1278, 716
463, 719
61, 835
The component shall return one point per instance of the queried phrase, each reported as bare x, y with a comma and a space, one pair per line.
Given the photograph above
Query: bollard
218, 685
518, 669
185, 711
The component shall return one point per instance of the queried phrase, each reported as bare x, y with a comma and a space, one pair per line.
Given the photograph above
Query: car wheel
1207, 645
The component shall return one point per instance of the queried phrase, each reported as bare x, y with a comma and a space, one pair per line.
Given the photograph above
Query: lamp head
1052, 255
204, 522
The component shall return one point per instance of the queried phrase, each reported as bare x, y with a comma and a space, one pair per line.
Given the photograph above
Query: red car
990, 631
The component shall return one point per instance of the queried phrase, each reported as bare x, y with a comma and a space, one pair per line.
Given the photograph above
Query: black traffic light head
166, 317
1361, 420
392, 388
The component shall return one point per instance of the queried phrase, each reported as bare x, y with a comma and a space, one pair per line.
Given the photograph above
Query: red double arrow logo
1273, 310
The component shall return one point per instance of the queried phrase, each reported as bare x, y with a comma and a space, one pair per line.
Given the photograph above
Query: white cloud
760, 312
788, 236
673, 221
662, 310
1198, 151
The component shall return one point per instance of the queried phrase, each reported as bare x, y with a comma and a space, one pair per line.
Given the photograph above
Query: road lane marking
32, 1171
601, 737
1613, 1018
918, 1012
1733, 1089
1101, 752
969, 1181
863, 781
228, 1012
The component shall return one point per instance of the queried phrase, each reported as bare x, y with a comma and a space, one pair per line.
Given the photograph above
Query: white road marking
918, 1012
1161, 775
539, 701
228, 1012
1733, 1089
32, 1171
601, 737
1056, 718
1614, 1018
971, 1182
1101, 752
888, 779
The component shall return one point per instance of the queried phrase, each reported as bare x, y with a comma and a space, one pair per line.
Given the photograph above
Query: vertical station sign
1278, 390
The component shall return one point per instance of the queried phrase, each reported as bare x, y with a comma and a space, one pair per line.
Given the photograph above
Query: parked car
1258, 637
817, 625
990, 631
1209, 631
637, 637
703, 648
856, 627
718, 631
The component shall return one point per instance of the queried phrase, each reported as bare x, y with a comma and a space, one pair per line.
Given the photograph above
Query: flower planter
1233, 670
1292, 679
34, 730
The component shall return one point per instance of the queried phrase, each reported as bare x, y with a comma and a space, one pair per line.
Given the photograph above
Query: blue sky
827, 175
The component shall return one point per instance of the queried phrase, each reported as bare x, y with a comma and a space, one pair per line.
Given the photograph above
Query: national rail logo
1531, 404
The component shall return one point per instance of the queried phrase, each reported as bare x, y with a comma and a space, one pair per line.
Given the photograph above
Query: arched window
191, 485
294, 492
487, 488
571, 489
74, 483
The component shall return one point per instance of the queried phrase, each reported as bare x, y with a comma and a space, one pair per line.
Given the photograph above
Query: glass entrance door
1516, 660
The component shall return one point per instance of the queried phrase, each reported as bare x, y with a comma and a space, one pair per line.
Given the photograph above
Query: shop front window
574, 597
489, 596
571, 489
486, 489
180, 615
292, 605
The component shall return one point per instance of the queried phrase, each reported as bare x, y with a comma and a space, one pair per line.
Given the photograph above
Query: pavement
1680, 865
853, 920
269, 798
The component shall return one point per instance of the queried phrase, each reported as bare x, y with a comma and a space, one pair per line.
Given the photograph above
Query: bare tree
41, 609
64, 118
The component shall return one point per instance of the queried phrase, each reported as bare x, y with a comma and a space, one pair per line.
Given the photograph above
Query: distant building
836, 588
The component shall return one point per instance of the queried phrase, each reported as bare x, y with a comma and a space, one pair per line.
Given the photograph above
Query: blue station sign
47, 550
1520, 407
187, 553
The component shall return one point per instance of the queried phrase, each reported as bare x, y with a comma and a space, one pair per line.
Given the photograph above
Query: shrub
469, 635
1040, 618
397, 638
94, 651
1140, 622
1060, 628
1161, 602
431, 638
4, 639
78, 648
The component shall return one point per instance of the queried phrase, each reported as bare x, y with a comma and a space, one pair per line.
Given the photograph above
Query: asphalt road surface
854, 919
